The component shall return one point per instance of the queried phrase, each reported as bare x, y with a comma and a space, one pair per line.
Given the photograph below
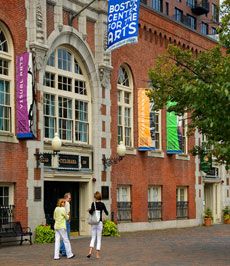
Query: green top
60, 217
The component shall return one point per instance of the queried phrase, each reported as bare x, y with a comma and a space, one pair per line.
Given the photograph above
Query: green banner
174, 131
205, 162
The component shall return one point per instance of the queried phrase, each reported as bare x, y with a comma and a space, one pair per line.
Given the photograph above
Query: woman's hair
60, 202
97, 195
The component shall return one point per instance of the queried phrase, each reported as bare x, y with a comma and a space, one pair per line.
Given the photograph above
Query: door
55, 190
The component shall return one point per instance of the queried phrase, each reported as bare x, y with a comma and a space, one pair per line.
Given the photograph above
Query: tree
200, 87
224, 28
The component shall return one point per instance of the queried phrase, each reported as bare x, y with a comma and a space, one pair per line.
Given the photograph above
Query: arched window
125, 106
66, 97
6, 81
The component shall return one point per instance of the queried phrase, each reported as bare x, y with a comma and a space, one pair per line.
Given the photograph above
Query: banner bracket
72, 16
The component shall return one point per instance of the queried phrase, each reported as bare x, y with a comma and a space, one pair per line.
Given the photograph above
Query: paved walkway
190, 246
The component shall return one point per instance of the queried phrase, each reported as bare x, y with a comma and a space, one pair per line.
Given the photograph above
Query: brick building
70, 65
77, 88
154, 185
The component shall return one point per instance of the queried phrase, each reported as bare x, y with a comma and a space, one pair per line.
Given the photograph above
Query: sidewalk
190, 246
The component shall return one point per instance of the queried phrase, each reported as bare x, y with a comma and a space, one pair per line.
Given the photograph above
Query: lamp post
56, 146
121, 151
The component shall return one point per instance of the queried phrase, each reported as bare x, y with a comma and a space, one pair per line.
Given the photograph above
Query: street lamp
56, 146
121, 151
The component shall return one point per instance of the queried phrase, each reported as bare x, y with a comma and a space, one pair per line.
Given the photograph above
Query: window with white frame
6, 81
6, 203
181, 194
4, 195
182, 202
123, 203
125, 106
154, 202
182, 133
155, 127
66, 97
123, 193
154, 193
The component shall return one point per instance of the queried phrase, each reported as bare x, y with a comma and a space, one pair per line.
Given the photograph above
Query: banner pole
72, 16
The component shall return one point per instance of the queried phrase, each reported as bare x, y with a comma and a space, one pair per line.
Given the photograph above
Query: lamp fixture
56, 146
121, 151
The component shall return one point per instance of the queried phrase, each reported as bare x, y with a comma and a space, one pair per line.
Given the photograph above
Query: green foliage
224, 29
200, 86
226, 211
109, 228
208, 214
44, 234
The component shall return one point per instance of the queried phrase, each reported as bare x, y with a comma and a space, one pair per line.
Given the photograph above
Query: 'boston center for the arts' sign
122, 25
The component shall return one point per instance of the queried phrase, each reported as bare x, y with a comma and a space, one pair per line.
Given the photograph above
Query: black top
100, 206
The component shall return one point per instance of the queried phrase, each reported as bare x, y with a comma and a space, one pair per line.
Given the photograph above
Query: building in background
201, 16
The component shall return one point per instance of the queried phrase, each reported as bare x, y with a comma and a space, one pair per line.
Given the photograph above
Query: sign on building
174, 131
25, 97
122, 24
146, 122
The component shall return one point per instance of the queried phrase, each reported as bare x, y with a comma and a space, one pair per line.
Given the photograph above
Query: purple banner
23, 129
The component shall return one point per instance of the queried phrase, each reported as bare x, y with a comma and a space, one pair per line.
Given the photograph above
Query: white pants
96, 232
58, 234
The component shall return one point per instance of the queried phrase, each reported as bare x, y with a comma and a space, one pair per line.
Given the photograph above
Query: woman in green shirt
60, 217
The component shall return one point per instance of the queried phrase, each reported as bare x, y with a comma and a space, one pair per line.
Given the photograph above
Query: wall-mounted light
56, 146
121, 151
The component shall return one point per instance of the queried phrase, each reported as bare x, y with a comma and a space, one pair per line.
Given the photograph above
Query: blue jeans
62, 247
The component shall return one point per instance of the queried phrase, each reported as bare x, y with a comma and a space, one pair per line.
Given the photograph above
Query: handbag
95, 217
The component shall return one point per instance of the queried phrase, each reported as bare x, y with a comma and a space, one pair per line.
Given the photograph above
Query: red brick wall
49, 18
140, 171
90, 27
13, 156
187, 10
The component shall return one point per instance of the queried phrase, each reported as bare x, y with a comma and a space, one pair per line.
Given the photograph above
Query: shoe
72, 256
56, 258
89, 255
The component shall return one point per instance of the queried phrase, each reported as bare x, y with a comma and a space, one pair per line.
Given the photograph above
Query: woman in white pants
96, 228
60, 217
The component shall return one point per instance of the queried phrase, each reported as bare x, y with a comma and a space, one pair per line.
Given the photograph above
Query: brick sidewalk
190, 246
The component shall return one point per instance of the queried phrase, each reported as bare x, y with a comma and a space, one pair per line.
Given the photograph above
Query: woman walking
60, 217
96, 228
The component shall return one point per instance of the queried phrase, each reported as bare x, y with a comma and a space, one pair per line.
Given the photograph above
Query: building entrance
55, 190
213, 200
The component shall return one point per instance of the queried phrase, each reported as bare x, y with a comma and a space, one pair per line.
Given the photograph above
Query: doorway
213, 200
53, 190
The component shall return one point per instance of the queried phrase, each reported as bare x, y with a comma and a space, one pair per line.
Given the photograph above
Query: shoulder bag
95, 217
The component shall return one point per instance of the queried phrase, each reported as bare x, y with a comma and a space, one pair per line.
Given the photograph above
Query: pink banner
23, 129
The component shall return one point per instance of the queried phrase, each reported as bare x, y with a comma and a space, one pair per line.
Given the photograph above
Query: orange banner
145, 141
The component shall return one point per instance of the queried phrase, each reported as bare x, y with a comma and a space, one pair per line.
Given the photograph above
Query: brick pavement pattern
189, 246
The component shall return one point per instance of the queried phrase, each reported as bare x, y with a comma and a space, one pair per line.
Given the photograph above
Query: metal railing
154, 210
182, 209
203, 4
6, 214
124, 211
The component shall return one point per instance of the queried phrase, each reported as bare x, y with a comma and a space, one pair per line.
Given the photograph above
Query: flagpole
72, 16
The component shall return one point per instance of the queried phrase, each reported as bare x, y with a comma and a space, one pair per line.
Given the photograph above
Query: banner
122, 24
146, 122
205, 162
174, 131
25, 97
